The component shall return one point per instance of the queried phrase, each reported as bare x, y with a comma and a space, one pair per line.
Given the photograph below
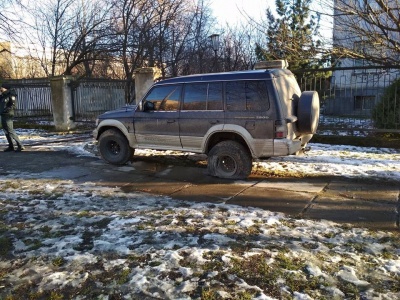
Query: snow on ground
80, 241
339, 160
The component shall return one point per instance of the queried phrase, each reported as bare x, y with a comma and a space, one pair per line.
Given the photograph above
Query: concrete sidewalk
366, 203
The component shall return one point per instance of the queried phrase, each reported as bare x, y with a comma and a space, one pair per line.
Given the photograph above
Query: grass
273, 268
58, 261
6, 245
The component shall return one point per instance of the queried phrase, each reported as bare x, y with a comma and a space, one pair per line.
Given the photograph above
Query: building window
366, 51
364, 102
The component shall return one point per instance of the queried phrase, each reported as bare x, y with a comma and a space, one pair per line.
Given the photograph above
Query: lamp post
215, 45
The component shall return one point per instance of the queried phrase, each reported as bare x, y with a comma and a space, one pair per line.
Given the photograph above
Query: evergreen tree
291, 35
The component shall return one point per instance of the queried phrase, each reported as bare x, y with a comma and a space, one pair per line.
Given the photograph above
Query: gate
92, 97
33, 99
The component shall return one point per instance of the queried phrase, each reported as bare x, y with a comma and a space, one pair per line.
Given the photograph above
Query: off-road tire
229, 159
308, 113
114, 147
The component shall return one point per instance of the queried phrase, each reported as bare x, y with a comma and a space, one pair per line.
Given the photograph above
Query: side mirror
148, 106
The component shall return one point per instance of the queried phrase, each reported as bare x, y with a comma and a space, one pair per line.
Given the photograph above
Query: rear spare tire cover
308, 113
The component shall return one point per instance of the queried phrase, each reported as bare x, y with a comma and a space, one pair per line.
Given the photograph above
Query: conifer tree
291, 34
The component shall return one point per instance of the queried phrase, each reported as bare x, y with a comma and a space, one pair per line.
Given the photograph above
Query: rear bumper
283, 147
275, 147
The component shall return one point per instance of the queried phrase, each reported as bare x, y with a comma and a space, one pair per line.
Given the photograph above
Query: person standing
7, 106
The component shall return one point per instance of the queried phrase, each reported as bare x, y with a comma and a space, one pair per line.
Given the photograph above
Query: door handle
214, 122
170, 121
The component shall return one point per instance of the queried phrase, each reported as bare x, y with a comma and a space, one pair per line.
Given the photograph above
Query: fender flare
228, 128
111, 123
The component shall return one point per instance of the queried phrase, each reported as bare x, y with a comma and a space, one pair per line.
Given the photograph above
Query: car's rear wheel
308, 113
114, 147
229, 159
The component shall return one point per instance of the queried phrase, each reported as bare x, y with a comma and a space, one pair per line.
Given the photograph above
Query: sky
85, 241
229, 11
235, 11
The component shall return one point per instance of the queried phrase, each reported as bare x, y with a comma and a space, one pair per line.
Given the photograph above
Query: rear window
249, 95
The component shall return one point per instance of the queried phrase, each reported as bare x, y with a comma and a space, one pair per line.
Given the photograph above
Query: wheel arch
232, 133
116, 125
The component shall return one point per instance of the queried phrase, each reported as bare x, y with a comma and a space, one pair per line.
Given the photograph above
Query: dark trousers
8, 126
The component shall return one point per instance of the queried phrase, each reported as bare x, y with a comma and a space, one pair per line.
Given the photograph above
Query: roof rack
273, 64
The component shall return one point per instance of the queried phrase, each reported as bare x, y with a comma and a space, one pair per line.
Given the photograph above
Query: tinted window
202, 96
214, 96
235, 96
195, 96
256, 96
248, 95
165, 98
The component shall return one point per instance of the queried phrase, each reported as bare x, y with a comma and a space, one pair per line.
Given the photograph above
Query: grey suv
232, 117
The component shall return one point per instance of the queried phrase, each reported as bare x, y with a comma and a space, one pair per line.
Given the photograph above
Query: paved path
367, 203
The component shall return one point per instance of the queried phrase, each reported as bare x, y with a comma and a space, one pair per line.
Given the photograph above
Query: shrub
386, 114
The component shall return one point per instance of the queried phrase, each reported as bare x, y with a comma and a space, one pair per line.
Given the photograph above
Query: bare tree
8, 19
367, 30
190, 49
170, 34
237, 49
73, 35
90, 41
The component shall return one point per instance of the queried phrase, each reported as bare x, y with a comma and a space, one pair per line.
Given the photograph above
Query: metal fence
348, 96
92, 97
353, 101
34, 99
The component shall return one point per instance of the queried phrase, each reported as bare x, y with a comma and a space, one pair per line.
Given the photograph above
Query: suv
232, 117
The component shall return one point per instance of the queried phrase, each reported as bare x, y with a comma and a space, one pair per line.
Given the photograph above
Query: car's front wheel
229, 159
114, 147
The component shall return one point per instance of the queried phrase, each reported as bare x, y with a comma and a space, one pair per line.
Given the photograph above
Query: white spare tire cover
308, 113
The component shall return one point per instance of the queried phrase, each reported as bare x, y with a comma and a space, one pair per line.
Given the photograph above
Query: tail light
280, 129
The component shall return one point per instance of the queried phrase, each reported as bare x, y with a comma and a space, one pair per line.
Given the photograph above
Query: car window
202, 96
249, 95
164, 98
195, 96
214, 101
256, 96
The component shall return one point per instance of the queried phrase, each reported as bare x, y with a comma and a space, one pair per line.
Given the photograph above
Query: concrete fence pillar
62, 104
144, 79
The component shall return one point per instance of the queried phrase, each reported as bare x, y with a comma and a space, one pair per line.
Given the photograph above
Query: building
365, 54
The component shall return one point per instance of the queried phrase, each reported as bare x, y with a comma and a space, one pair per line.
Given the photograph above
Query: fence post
62, 103
144, 79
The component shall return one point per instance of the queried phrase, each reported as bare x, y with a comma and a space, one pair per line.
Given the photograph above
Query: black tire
229, 159
308, 113
114, 147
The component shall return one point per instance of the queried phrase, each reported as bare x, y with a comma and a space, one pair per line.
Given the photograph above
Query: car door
248, 106
156, 119
202, 110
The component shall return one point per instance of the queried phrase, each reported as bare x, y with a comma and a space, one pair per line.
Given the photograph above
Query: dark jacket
7, 103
